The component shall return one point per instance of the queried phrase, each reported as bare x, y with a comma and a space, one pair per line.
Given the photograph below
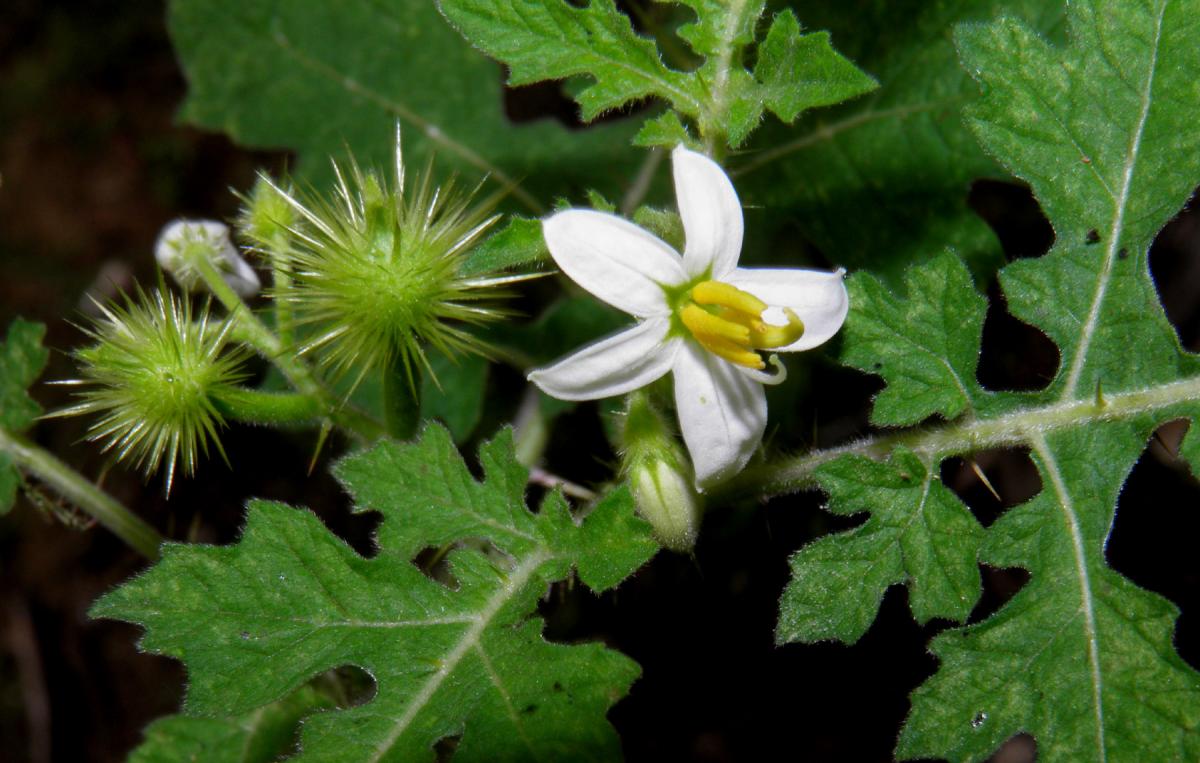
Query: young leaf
22, 359
552, 39
259, 736
323, 77
802, 71
519, 244
290, 601
919, 533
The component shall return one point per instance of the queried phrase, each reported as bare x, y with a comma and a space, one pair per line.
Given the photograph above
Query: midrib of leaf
432, 131
828, 131
1014, 428
1113, 244
1087, 598
469, 640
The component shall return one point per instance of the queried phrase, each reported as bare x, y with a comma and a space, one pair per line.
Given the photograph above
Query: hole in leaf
1014, 355
1175, 268
1014, 215
999, 586
1020, 749
1009, 471
434, 563
445, 748
1153, 536
529, 103
347, 685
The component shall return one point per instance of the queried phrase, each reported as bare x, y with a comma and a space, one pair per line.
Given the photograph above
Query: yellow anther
724, 295
778, 336
754, 324
704, 324
734, 353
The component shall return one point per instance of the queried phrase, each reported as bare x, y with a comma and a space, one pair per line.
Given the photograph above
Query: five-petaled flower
700, 316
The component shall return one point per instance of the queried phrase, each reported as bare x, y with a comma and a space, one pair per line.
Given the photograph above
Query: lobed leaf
918, 533
1080, 658
290, 600
925, 344
552, 39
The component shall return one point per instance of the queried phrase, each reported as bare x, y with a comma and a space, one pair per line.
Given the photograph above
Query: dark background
93, 165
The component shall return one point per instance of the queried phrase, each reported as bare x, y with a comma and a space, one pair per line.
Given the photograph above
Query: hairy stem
80, 491
401, 401
249, 329
256, 407
1019, 427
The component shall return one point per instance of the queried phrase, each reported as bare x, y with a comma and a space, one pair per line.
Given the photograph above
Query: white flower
182, 243
700, 316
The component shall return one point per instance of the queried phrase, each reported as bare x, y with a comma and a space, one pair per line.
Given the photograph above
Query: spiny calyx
728, 322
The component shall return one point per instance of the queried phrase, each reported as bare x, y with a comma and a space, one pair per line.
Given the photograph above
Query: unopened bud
184, 245
267, 218
666, 499
660, 476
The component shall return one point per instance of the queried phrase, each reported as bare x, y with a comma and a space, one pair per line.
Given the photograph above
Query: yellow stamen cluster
728, 322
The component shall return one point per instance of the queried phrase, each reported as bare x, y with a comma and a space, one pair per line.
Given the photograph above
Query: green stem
964, 436
249, 329
401, 402
282, 280
257, 407
81, 492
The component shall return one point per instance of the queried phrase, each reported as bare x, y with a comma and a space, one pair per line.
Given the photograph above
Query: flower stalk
71, 485
249, 329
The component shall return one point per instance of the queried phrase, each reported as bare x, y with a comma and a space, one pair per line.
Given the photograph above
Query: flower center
728, 322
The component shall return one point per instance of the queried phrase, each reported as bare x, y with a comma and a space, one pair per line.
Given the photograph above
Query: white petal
613, 259
618, 364
818, 298
711, 214
721, 412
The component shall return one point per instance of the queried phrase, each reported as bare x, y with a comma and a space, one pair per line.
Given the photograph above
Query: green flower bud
152, 377
660, 476
378, 271
267, 218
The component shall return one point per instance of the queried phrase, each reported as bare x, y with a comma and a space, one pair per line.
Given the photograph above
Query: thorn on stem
983, 478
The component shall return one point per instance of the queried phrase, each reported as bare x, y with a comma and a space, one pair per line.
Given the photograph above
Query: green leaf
553, 39
802, 71
918, 533
259, 736
882, 182
290, 600
550, 39
925, 344
1080, 657
322, 77
22, 359
1105, 133
519, 244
